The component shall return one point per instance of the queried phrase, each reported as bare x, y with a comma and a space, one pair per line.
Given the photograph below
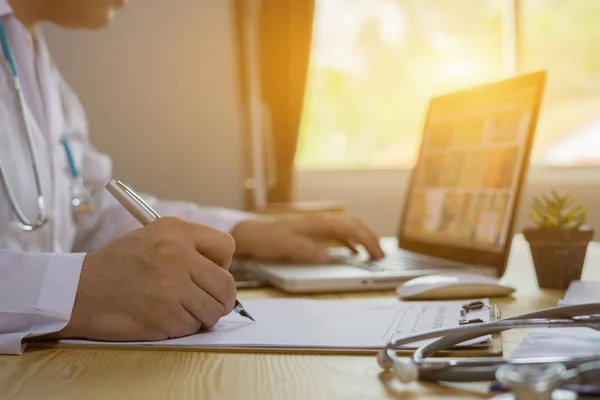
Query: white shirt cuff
40, 292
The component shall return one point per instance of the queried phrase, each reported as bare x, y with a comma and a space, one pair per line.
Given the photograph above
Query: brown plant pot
558, 254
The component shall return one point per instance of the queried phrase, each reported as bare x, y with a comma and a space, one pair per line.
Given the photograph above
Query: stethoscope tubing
80, 198
26, 223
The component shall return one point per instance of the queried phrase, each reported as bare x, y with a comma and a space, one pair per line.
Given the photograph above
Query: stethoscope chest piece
534, 382
81, 202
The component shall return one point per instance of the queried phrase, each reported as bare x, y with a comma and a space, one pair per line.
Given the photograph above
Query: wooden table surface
147, 374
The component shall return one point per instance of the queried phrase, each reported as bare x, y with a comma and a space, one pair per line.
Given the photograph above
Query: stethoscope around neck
80, 200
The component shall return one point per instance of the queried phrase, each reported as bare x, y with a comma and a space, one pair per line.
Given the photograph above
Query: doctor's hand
297, 239
168, 279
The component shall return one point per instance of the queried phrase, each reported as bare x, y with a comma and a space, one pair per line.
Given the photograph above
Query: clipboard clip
474, 305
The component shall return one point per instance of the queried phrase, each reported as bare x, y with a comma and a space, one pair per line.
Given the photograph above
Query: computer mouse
458, 285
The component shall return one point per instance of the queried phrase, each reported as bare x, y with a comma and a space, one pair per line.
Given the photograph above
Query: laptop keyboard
399, 259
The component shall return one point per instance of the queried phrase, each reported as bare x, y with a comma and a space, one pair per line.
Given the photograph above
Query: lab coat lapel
48, 90
54, 129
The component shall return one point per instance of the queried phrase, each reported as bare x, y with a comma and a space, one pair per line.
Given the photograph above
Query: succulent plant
558, 211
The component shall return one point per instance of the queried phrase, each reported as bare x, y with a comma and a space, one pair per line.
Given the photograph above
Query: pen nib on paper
239, 308
244, 313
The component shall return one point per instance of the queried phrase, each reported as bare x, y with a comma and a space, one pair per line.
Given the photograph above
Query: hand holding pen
139, 209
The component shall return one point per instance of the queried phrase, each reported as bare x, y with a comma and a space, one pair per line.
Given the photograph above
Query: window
563, 37
376, 63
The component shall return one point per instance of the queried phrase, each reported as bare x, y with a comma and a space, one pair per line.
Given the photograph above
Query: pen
139, 209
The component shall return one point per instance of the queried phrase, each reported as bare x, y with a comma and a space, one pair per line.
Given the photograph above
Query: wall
377, 196
159, 87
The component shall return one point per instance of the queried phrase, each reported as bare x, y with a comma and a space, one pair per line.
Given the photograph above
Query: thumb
304, 249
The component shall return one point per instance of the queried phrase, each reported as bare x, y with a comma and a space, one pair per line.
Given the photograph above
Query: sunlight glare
442, 42
461, 69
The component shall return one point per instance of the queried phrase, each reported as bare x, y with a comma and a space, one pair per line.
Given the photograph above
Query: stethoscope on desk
80, 201
527, 378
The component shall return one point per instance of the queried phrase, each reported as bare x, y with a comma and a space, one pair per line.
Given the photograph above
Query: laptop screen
474, 152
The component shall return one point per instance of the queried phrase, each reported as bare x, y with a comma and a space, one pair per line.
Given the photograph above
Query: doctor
73, 263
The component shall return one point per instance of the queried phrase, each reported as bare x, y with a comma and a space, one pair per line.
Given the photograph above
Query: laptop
461, 198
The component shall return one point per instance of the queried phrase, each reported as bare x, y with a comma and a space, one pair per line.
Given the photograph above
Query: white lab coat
39, 271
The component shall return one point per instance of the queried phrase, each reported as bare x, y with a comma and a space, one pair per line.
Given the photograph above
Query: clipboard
493, 349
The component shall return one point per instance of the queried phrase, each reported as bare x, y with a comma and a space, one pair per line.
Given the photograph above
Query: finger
303, 249
365, 236
350, 246
187, 324
373, 236
170, 318
213, 244
343, 229
215, 281
201, 305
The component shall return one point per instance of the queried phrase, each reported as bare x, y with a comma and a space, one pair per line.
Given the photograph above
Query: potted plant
559, 241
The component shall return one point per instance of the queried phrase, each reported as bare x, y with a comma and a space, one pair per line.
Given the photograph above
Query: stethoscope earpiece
406, 371
18, 226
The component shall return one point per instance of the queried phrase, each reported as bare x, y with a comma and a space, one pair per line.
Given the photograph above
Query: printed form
572, 342
323, 324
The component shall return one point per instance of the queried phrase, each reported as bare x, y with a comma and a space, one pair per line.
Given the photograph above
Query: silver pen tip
239, 308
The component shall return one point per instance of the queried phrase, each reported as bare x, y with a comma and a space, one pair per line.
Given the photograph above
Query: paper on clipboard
574, 342
322, 324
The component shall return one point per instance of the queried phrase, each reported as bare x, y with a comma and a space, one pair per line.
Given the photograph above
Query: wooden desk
117, 374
